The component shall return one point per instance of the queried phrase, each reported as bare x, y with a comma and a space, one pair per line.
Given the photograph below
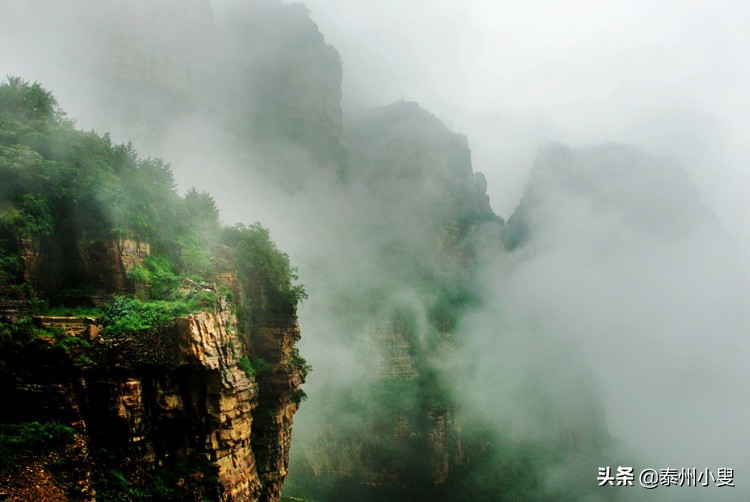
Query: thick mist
626, 273
631, 280
667, 76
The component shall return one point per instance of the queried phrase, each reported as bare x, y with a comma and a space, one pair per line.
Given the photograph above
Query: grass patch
31, 437
255, 367
79, 311
126, 315
299, 395
245, 365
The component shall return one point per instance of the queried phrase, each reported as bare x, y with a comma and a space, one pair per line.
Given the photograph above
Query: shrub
300, 363
77, 311
34, 435
261, 365
245, 365
31, 437
68, 343
204, 300
158, 274
257, 366
262, 263
126, 314
299, 395
9, 265
24, 331
83, 360
29, 216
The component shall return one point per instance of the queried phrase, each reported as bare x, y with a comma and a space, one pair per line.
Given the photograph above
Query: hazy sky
668, 76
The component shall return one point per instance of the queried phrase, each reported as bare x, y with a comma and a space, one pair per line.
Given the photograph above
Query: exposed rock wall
279, 388
105, 264
402, 428
172, 398
97, 268
392, 351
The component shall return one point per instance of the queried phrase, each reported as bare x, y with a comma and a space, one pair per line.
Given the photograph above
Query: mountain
613, 179
393, 233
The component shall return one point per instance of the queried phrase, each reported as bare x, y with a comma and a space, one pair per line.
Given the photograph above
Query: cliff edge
146, 351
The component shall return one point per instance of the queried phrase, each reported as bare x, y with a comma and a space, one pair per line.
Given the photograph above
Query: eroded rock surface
171, 401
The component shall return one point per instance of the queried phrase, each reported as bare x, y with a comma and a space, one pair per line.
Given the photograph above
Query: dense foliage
64, 184
30, 438
80, 206
59, 180
176, 482
263, 266
129, 314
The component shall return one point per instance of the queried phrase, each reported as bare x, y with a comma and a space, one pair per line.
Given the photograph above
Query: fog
653, 295
667, 76
633, 280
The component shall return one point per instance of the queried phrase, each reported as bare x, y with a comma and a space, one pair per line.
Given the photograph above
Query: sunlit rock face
182, 396
170, 402
49, 265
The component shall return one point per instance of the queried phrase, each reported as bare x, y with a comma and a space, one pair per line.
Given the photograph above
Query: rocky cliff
423, 226
169, 408
146, 351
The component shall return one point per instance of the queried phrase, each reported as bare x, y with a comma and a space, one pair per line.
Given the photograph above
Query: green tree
262, 265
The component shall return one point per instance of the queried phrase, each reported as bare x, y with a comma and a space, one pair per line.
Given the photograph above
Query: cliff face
179, 396
169, 405
423, 225
157, 366
436, 205
50, 265
404, 431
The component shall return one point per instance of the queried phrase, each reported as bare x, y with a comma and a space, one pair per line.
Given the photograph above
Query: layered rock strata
168, 401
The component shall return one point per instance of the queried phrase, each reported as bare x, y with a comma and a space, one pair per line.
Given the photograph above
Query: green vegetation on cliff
31, 437
98, 256
263, 267
59, 180
63, 187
